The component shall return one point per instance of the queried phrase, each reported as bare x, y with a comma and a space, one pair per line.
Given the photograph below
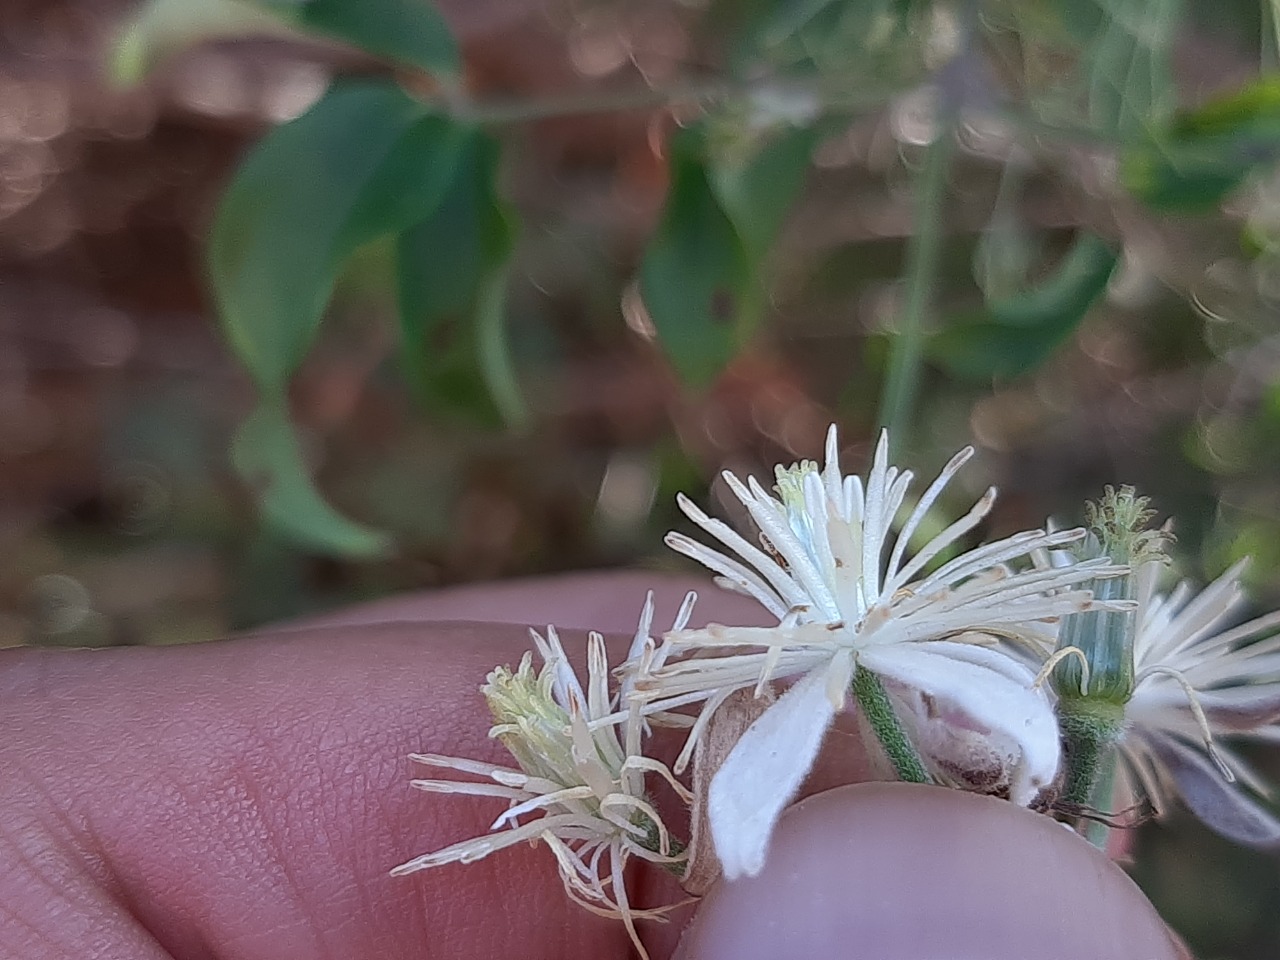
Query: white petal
1242, 709
993, 658
918, 513
764, 771
1222, 806
983, 699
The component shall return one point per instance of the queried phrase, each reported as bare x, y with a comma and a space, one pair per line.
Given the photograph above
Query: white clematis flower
579, 788
1194, 683
848, 596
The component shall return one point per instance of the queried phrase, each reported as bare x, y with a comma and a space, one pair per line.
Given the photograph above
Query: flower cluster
941, 647
585, 778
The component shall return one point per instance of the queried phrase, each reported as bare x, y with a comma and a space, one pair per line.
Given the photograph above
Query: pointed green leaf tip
1018, 333
267, 454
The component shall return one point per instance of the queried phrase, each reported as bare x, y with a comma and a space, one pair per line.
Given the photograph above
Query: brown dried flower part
726, 727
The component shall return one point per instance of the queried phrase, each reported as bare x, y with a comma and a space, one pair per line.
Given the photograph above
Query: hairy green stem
1090, 729
923, 250
888, 729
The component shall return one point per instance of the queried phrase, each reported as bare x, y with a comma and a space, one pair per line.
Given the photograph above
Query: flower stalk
1090, 730
889, 731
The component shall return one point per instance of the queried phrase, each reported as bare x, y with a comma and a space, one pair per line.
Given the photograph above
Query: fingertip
904, 872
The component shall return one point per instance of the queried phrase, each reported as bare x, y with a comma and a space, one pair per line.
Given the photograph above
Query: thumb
891, 871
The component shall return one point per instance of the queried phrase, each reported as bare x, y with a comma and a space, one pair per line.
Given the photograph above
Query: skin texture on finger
898, 871
247, 798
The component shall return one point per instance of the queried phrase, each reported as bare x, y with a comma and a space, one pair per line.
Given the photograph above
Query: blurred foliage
495, 280
370, 160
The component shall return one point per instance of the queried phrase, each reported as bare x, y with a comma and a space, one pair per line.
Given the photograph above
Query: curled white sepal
985, 692
764, 771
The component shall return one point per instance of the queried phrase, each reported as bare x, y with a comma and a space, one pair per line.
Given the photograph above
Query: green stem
1090, 728
707, 94
494, 113
700, 95
923, 250
1104, 789
1270, 35
888, 730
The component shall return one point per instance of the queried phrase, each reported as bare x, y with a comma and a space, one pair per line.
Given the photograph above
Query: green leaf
364, 162
1202, 155
407, 31
695, 270
1125, 49
162, 27
1007, 248
451, 274
758, 187
798, 37
1080, 278
266, 453
701, 277
1015, 335
495, 358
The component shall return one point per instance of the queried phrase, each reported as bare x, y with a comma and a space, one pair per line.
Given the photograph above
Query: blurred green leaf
757, 187
799, 37
1008, 247
1202, 155
495, 358
695, 270
363, 162
1069, 291
1125, 48
407, 31
266, 453
1015, 335
162, 27
451, 270
702, 276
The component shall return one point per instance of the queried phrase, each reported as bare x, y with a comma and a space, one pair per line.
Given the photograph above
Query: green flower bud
1118, 531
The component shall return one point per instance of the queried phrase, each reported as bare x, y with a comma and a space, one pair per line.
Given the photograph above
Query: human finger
906, 872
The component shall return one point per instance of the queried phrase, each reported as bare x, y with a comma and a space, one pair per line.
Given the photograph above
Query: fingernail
906, 872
